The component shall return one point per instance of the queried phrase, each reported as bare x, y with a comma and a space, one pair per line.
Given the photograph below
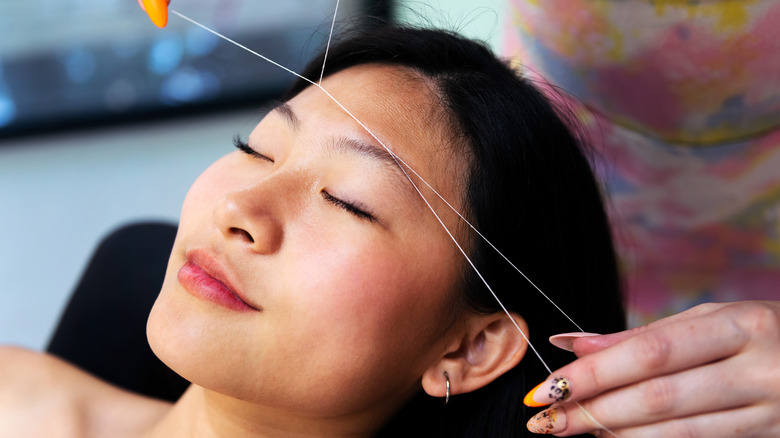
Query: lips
202, 277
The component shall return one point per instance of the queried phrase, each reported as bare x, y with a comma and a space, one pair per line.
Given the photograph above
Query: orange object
157, 11
553, 390
529, 398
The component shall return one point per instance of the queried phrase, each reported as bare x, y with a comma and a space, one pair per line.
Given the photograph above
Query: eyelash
244, 147
350, 208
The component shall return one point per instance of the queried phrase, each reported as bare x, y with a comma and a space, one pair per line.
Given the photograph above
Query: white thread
330, 37
595, 421
241, 46
400, 161
455, 241
488, 242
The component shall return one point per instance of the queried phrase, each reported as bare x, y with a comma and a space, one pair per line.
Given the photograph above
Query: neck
205, 414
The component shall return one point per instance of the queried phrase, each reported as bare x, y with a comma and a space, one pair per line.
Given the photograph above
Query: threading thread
595, 421
330, 37
403, 166
400, 161
240, 45
447, 230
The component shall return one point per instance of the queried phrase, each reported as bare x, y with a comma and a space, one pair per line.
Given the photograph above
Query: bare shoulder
27, 374
24, 374
30, 369
31, 394
39, 390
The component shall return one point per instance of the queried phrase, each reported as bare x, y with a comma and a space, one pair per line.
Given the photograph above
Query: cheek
365, 295
223, 176
359, 314
345, 278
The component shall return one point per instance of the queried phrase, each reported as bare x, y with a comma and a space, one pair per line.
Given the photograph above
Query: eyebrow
285, 110
361, 148
358, 147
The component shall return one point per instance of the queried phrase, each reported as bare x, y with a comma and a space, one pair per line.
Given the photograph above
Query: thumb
583, 344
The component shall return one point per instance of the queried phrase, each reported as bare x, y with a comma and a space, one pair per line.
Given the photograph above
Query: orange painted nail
553, 390
529, 398
157, 11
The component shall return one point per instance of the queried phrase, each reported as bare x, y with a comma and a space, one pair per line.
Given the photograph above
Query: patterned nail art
554, 390
548, 421
558, 389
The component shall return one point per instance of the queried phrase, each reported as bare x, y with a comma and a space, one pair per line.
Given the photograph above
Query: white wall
477, 19
60, 194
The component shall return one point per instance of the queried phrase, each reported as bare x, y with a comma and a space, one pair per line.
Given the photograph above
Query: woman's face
346, 277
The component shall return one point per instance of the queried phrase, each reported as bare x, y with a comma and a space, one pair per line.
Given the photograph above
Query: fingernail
546, 393
596, 433
157, 11
564, 341
548, 421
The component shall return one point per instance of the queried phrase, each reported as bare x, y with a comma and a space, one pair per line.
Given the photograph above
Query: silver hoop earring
447, 394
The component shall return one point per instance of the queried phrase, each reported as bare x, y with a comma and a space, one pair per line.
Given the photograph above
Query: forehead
394, 101
402, 109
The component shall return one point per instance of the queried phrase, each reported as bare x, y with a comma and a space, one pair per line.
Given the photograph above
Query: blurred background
106, 120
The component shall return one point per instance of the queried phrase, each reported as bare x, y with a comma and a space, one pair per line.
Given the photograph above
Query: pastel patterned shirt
682, 100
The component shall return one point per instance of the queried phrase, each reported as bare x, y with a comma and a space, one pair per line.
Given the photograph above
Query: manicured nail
157, 11
564, 341
548, 421
546, 393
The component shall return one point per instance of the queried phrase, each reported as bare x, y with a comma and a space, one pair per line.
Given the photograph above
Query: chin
190, 341
176, 333
161, 332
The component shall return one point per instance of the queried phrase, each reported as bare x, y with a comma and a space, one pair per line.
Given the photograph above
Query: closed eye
244, 147
347, 206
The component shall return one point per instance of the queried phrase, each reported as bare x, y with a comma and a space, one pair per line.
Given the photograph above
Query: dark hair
530, 191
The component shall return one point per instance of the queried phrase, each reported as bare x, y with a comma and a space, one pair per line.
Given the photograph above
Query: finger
693, 312
564, 340
670, 348
583, 344
748, 314
749, 421
596, 342
711, 388
753, 421
595, 345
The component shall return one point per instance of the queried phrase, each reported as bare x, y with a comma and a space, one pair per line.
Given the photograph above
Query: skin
351, 316
41, 395
350, 306
627, 397
711, 371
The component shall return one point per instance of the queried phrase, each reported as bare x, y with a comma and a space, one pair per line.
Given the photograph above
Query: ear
490, 346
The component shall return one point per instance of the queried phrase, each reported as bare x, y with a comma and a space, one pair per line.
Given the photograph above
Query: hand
712, 371
157, 11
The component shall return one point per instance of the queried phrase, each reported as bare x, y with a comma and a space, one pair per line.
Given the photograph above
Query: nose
251, 217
